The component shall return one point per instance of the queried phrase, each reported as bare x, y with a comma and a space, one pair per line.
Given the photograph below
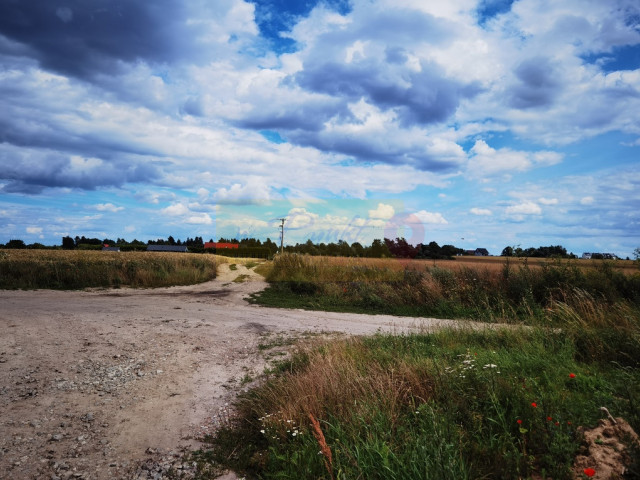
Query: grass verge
449, 405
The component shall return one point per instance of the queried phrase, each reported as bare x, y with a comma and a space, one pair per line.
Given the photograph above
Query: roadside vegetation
504, 403
78, 269
507, 290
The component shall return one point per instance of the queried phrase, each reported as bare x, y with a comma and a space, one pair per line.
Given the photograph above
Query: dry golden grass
628, 267
89, 268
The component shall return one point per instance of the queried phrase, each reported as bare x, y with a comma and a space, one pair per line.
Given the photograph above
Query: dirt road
115, 383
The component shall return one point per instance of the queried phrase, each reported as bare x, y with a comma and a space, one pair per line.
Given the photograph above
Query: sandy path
93, 382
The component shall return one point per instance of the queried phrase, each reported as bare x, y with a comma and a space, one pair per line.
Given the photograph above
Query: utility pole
282, 220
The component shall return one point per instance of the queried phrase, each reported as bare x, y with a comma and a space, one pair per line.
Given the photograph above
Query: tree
507, 252
68, 243
15, 244
636, 254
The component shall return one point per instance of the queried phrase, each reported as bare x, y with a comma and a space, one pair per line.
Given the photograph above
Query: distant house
481, 252
107, 248
167, 248
604, 256
217, 245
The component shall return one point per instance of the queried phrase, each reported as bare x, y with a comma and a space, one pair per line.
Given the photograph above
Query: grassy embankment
63, 269
501, 403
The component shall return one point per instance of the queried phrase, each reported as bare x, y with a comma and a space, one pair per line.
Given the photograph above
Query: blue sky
481, 123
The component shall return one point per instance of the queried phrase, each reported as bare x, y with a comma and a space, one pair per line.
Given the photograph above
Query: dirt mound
605, 451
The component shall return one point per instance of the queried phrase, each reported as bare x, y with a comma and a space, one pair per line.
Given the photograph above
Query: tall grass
505, 294
60, 269
449, 405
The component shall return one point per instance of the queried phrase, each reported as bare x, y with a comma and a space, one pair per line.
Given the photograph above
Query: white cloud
252, 192
432, 218
199, 219
587, 200
382, 211
548, 201
524, 208
299, 218
108, 207
175, 210
34, 230
481, 211
487, 161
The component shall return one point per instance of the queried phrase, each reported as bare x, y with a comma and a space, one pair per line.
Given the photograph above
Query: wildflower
568, 423
519, 422
572, 375
589, 472
261, 431
549, 419
534, 404
557, 424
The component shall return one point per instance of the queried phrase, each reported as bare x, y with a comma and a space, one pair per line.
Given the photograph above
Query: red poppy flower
519, 422
572, 375
549, 419
534, 404
589, 472
557, 424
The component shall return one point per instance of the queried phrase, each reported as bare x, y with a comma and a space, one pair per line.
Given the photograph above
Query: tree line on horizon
398, 248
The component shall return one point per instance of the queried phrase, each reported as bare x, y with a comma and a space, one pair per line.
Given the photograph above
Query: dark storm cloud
305, 115
82, 38
32, 131
367, 149
537, 84
32, 170
422, 97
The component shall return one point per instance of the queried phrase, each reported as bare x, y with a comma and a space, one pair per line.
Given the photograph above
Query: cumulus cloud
524, 208
34, 230
175, 210
487, 161
481, 211
199, 219
107, 207
431, 218
252, 192
382, 211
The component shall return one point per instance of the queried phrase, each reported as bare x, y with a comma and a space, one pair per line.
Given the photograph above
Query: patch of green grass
454, 404
233, 266
240, 278
275, 341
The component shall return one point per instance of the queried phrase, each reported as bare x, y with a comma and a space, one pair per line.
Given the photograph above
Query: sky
477, 123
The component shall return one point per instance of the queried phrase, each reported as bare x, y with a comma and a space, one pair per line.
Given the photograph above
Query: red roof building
217, 245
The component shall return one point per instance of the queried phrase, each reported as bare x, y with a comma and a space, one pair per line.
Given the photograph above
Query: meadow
78, 269
504, 403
